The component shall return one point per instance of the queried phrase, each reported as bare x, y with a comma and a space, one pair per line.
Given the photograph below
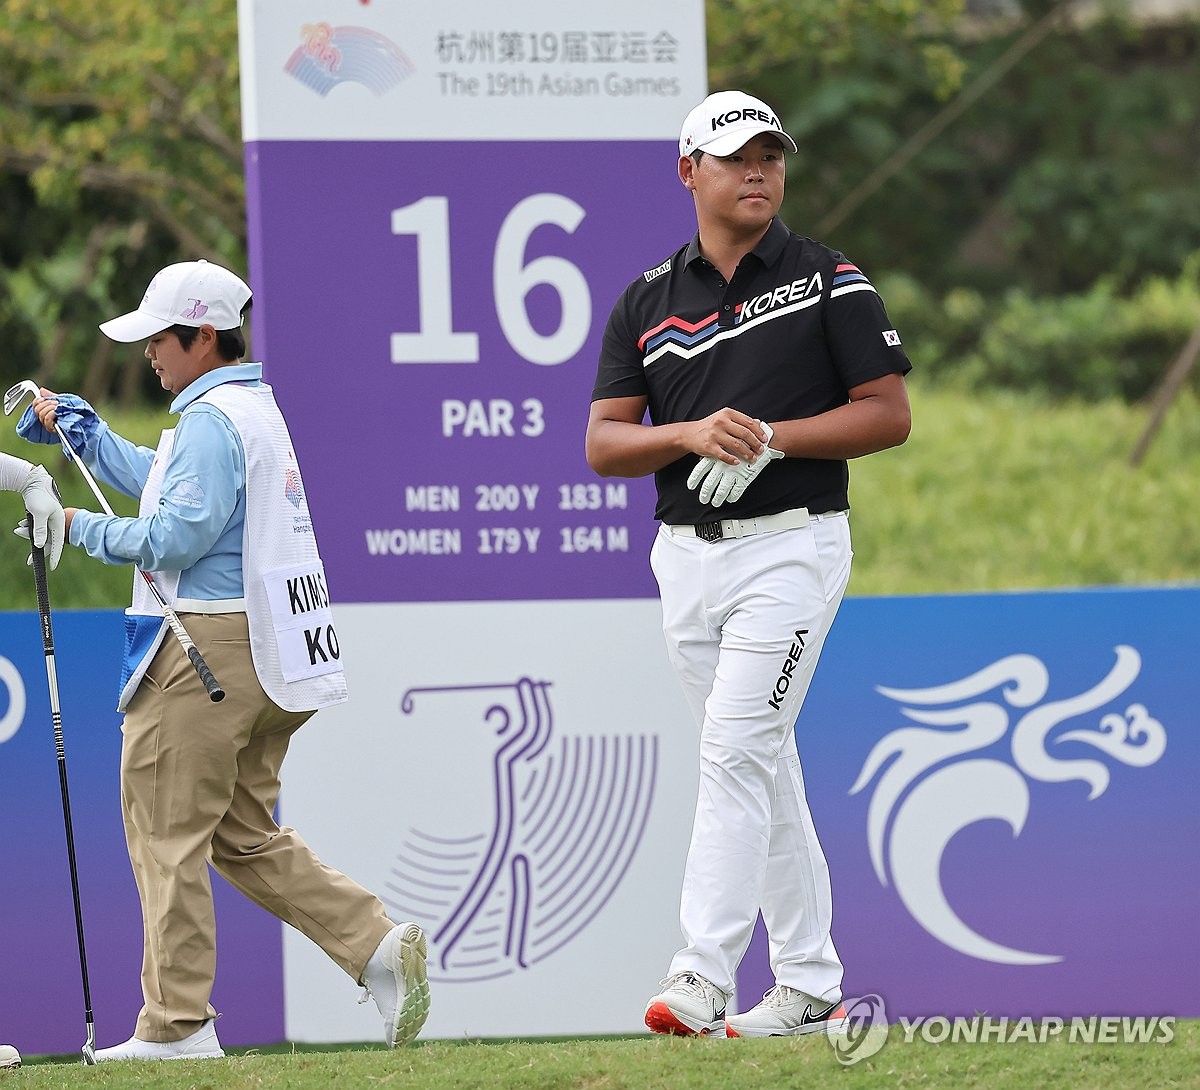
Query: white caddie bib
143, 636
295, 647
143, 600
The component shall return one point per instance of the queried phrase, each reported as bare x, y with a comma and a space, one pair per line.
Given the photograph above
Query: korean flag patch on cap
891, 338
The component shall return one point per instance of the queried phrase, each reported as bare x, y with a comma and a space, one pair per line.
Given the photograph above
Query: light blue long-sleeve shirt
197, 528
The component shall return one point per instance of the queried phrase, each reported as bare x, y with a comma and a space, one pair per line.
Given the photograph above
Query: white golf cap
192, 293
725, 121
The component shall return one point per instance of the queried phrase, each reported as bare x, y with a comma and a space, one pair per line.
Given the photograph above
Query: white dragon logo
953, 796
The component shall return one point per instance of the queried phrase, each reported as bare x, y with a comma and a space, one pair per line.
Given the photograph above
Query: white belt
786, 520
214, 605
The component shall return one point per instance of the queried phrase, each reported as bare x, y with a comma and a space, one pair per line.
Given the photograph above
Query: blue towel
77, 420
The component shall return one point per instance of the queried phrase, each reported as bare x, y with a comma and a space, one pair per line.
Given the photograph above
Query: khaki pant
199, 783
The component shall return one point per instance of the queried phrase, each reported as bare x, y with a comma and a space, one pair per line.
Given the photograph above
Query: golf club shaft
43, 597
15, 395
213, 687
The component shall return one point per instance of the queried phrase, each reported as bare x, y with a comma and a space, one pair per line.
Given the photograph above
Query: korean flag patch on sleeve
891, 338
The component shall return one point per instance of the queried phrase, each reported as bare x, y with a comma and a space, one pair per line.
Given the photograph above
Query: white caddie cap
725, 121
193, 293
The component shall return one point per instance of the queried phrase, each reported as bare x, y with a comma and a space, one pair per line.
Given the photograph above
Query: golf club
14, 396
43, 597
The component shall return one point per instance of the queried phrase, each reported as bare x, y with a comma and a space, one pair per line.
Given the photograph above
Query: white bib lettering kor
303, 621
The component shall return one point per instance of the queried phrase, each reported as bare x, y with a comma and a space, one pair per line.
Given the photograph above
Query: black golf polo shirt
797, 328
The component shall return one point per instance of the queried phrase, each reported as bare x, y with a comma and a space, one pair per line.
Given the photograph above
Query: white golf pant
745, 620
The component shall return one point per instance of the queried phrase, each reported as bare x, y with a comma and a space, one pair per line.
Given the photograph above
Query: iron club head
17, 393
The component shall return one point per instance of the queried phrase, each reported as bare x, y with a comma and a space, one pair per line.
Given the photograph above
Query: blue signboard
1004, 786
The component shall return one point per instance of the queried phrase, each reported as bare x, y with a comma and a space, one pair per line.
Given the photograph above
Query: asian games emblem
292, 488
332, 55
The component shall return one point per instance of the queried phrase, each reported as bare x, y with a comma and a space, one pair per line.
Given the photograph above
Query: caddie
224, 525
765, 360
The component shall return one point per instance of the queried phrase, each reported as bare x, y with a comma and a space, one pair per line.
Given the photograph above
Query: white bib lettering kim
303, 622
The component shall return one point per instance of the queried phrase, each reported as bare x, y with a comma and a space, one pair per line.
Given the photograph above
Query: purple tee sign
442, 212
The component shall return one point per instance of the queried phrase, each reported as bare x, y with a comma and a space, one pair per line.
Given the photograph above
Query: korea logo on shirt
891, 338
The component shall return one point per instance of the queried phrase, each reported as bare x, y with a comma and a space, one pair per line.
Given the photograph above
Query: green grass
1007, 493
995, 493
651, 1063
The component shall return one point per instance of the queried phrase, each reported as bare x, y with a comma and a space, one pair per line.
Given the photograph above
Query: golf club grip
43, 591
215, 692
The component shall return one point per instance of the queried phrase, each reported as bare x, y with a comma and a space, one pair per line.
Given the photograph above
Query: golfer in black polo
765, 360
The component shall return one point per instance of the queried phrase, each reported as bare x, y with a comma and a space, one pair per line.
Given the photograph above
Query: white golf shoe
396, 979
9, 1057
201, 1045
688, 1006
786, 1012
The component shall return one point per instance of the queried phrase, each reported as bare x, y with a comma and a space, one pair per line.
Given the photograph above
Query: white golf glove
721, 483
49, 522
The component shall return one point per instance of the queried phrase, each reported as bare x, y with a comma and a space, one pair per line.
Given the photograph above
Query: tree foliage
119, 147
750, 40
1079, 164
133, 99
1100, 343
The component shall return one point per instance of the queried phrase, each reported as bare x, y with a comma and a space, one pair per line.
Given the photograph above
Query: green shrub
1091, 346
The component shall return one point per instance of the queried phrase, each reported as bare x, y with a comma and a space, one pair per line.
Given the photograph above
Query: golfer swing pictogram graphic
550, 822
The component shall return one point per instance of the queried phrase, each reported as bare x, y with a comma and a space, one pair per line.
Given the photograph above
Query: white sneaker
9, 1057
689, 1005
396, 979
201, 1045
786, 1012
